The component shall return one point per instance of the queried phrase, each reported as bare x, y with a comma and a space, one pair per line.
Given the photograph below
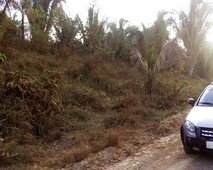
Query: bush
28, 104
9, 31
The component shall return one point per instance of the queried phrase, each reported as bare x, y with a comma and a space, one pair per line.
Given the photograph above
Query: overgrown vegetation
79, 86
28, 105
86, 98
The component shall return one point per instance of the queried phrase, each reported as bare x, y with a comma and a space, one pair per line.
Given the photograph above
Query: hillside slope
56, 111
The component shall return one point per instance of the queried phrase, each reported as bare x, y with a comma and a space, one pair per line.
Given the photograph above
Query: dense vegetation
60, 76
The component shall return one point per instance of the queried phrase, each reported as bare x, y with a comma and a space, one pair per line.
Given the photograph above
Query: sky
135, 11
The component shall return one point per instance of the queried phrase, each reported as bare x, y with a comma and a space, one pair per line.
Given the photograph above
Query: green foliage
44, 4
116, 39
2, 57
156, 36
66, 29
93, 33
37, 19
8, 31
150, 42
41, 17
99, 38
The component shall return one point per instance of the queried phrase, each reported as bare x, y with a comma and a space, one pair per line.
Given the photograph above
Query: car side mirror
191, 101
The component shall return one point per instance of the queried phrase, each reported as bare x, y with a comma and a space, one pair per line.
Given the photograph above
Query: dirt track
166, 154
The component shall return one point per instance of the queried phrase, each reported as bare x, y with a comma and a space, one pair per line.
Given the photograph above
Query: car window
207, 97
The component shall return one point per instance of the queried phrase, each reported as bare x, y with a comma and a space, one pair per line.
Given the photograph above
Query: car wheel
186, 147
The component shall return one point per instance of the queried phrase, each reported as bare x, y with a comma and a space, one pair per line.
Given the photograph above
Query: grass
96, 99
87, 144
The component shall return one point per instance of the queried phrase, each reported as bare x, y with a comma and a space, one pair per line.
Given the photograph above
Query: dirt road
166, 154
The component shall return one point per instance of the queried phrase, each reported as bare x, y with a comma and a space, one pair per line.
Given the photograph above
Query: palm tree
192, 30
40, 15
6, 5
93, 33
94, 30
66, 29
22, 6
116, 37
150, 43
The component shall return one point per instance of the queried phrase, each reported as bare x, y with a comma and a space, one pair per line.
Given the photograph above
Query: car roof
210, 86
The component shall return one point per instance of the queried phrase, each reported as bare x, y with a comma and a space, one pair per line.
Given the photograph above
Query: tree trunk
191, 69
3, 12
149, 82
22, 25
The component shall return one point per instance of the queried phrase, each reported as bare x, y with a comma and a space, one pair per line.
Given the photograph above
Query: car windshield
206, 98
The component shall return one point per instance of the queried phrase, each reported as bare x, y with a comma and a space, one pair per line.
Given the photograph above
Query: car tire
187, 149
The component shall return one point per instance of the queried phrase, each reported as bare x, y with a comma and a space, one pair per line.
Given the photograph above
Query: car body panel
201, 116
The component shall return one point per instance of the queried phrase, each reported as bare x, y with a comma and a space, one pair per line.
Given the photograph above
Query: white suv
197, 130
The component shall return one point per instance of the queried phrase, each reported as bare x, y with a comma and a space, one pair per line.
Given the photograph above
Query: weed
2, 57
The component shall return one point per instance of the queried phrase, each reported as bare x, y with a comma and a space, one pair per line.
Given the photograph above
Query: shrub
28, 104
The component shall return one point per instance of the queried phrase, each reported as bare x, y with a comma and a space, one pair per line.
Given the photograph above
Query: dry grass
101, 139
87, 144
29, 103
69, 157
113, 139
98, 97
81, 153
15, 154
120, 119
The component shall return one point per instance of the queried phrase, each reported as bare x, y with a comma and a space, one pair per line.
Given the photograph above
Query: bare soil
166, 154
